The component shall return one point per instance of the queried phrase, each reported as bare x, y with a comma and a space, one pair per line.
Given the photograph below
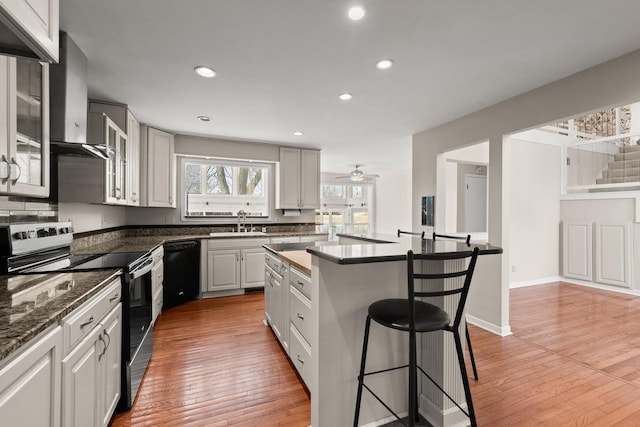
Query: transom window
221, 188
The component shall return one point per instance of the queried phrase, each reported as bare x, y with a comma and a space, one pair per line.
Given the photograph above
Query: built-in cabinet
24, 127
104, 130
70, 374
276, 287
298, 179
129, 150
91, 368
157, 277
35, 23
157, 179
600, 252
233, 264
30, 383
288, 308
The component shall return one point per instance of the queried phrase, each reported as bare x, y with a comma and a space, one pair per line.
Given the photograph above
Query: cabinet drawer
300, 281
300, 312
157, 276
300, 353
273, 262
81, 321
158, 300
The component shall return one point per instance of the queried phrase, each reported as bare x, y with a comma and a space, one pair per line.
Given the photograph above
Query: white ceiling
282, 64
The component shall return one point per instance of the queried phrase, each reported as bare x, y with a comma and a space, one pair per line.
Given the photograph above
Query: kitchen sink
237, 233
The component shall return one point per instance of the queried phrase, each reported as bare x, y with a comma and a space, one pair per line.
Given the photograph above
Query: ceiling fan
357, 175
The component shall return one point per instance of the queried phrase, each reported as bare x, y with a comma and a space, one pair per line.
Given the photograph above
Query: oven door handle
141, 270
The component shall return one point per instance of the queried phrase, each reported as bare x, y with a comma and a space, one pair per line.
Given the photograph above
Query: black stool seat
394, 313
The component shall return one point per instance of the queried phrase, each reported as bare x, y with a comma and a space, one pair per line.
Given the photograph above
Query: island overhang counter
346, 279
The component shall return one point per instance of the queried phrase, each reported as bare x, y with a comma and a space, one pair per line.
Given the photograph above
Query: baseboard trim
634, 292
535, 282
437, 417
502, 331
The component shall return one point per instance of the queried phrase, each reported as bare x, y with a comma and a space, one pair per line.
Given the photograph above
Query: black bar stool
466, 329
414, 316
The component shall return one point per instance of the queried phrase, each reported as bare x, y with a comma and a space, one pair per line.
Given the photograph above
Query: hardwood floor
216, 364
573, 359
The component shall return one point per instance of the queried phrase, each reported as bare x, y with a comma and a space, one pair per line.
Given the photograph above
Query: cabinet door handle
299, 359
171, 199
14, 171
299, 316
5, 168
106, 334
237, 257
115, 297
105, 347
87, 323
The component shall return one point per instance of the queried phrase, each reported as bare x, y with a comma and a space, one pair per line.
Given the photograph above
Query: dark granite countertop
395, 249
30, 303
149, 243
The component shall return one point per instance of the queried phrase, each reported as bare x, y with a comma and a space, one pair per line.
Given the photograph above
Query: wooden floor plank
573, 359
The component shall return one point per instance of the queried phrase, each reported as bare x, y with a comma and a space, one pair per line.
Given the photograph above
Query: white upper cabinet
157, 179
129, 158
35, 23
298, 179
24, 127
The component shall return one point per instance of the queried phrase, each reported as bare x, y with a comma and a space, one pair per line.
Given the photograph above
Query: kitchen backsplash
20, 209
83, 240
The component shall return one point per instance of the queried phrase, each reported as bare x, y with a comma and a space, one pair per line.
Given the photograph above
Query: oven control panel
26, 238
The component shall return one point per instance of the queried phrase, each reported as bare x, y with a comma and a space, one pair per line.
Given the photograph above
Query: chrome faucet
242, 218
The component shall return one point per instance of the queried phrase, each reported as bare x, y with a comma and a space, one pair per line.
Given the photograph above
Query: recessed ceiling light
205, 71
298, 133
356, 13
345, 96
384, 64
205, 119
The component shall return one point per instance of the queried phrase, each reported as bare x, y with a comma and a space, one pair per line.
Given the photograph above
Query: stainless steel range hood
68, 97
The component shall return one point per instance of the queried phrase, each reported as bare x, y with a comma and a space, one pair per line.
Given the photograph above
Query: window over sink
220, 188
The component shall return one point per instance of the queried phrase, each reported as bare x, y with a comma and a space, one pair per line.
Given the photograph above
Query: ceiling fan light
357, 176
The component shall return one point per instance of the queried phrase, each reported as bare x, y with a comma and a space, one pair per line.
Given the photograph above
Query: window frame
268, 188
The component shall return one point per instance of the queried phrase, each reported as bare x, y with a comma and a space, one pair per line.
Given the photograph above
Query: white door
475, 203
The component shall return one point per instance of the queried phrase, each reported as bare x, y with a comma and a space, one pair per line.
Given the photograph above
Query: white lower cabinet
91, 368
608, 251
233, 264
252, 265
288, 311
30, 384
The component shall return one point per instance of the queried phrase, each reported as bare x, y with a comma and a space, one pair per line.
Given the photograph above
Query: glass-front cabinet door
112, 162
27, 153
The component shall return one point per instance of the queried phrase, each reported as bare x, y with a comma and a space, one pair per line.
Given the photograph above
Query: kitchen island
345, 280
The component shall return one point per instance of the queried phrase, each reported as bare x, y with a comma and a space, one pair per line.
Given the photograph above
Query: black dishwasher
181, 272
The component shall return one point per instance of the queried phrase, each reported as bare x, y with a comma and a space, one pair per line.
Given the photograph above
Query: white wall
393, 201
612, 83
535, 211
87, 217
393, 196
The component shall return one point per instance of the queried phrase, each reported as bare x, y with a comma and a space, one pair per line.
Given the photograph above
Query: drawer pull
299, 359
105, 347
299, 316
87, 323
300, 283
115, 297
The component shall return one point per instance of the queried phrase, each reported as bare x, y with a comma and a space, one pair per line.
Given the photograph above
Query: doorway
475, 203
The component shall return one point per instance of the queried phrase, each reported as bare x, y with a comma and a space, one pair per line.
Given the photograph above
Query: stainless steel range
45, 248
